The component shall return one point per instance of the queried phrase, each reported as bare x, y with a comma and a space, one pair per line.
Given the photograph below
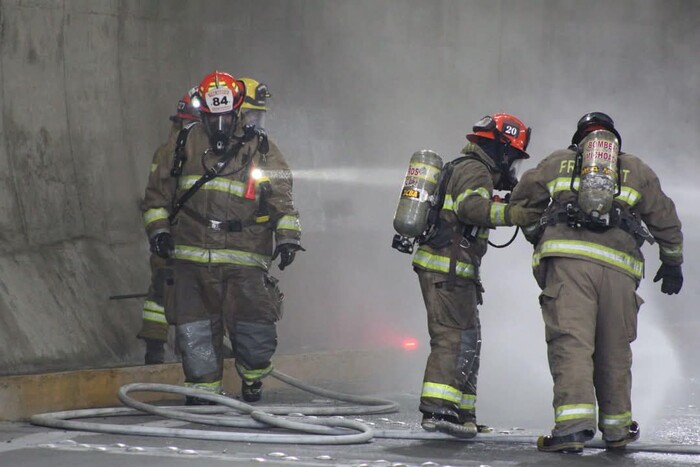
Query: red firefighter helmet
505, 128
220, 93
185, 110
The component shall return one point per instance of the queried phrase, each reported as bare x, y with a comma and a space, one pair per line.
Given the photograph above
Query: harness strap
572, 215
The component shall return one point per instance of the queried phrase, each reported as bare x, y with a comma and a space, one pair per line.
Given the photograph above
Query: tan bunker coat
224, 237
589, 278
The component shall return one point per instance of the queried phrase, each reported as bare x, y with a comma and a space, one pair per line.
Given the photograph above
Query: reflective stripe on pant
244, 298
590, 315
449, 382
155, 324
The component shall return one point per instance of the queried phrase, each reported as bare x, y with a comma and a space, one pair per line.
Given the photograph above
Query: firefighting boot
632, 435
192, 400
448, 424
251, 392
572, 443
484, 429
155, 352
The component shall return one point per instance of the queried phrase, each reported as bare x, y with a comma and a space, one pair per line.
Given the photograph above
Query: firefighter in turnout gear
447, 263
222, 207
154, 330
588, 263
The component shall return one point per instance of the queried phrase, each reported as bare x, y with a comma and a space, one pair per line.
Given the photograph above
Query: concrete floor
28, 445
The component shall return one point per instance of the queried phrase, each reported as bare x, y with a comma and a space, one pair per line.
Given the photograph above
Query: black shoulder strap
443, 180
180, 157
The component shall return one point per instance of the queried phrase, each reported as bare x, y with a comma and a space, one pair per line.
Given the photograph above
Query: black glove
286, 252
671, 278
162, 244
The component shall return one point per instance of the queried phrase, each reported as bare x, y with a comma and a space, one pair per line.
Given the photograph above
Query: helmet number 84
216, 101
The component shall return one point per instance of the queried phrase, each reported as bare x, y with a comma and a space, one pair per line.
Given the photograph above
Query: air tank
419, 185
599, 173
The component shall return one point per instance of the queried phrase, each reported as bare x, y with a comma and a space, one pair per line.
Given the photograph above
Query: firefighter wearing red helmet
598, 205
447, 263
222, 208
154, 328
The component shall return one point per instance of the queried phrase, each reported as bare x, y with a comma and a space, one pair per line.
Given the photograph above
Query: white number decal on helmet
219, 100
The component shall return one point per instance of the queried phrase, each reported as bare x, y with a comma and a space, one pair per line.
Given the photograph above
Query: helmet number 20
510, 130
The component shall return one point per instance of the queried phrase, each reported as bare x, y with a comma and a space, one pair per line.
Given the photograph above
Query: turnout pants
449, 382
590, 316
208, 298
155, 325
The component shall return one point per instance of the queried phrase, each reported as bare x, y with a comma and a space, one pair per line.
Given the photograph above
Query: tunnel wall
86, 87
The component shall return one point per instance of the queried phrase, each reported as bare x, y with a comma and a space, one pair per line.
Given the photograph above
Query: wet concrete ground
22, 444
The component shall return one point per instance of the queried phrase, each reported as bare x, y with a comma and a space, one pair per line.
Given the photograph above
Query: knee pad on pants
254, 343
196, 343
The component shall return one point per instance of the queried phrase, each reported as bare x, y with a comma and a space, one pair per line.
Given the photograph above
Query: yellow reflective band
437, 263
221, 256
154, 317
253, 375
498, 214
262, 219
589, 250
483, 192
468, 402
561, 184
154, 312
448, 203
441, 391
154, 167
231, 187
629, 195
214, 387
289, 223
622, 419
153, 215
574, 412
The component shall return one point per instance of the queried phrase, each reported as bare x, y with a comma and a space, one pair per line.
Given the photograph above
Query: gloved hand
162, 244
522, 216
286, 252
671, 278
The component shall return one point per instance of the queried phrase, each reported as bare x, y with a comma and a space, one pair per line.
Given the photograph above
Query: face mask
219, 129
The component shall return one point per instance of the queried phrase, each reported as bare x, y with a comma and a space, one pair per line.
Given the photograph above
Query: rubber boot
631, 436
572, 443
251, 392
448, 424
155, 352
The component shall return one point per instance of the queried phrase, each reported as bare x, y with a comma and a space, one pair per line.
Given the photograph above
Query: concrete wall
86, 87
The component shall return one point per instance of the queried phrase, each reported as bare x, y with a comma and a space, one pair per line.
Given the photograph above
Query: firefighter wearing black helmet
588, 262
447, 263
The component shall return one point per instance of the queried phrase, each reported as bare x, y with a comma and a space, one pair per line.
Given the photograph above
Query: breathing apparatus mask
219, 128
507, 160
255, 117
